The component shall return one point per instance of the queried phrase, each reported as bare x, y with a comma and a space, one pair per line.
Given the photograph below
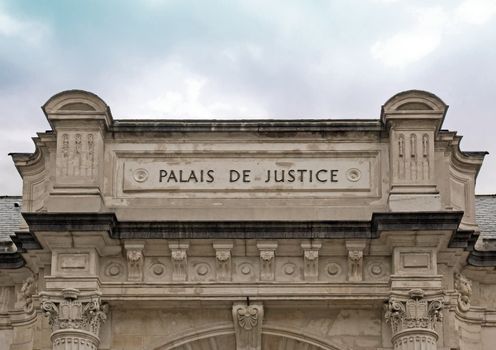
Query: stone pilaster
75, 319
413, 321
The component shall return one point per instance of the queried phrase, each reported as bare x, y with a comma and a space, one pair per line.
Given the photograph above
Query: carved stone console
413, 321
134, 255
248, 326
311, 260
464, 287
223, 261
267, 260
75, 319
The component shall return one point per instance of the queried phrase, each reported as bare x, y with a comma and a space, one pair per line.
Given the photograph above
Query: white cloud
171, 90
31, 32
431, 26
412, 45
476, 11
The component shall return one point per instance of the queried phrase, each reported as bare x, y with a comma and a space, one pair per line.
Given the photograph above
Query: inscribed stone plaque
190, 174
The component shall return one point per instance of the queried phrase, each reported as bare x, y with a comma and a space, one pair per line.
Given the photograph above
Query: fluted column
75, 319
413, 321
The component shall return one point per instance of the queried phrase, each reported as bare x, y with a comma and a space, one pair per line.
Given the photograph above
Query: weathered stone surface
264, 234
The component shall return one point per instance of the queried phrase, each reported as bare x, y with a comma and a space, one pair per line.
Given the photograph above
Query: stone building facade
248, 234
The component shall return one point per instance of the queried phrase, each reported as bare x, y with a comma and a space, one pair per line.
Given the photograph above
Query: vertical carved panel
425, 158
355, 260
311, 260
413, 158
179, 261
401, 157
65, 154
77, 156
134, 255
223, 261
267, 260
248, 326
91, 156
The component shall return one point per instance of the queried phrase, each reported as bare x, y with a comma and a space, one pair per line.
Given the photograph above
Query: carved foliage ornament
223, 255
25, 295
464, 287
178, 255
415, 312
247, 317
248, 326
69, 312
134, 256
267, 255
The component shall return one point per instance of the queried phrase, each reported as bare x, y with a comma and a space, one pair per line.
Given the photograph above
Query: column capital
414, 317
74, 316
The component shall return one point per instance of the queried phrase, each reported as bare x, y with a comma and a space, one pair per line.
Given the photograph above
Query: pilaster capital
72, 310
414, 311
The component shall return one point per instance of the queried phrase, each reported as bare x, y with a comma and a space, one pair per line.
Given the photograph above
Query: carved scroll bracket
267, 260
311, 260
464, 287
248, 325
223, 261
135, 259
75, 318
179, 260
25, 294
355, 260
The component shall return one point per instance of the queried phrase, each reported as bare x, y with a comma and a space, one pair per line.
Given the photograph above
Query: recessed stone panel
235, 174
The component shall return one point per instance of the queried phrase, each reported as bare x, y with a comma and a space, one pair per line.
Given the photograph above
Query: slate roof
10, 216
485, 214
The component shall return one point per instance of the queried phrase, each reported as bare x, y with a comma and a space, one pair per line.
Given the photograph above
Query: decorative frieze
464, 288
311, 260
267, 260
179, 261
248, 320
223, 261
413, 320
75, 319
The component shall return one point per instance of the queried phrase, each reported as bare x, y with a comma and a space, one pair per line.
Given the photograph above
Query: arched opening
224, 339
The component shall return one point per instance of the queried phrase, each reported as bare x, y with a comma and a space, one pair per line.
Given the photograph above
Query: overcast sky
248, 59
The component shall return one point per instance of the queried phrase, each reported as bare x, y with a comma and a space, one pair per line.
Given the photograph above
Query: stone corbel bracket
179, 259
355, 260
223, 261
311, 260
267, 260
248, 320
135, 261
464, 288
